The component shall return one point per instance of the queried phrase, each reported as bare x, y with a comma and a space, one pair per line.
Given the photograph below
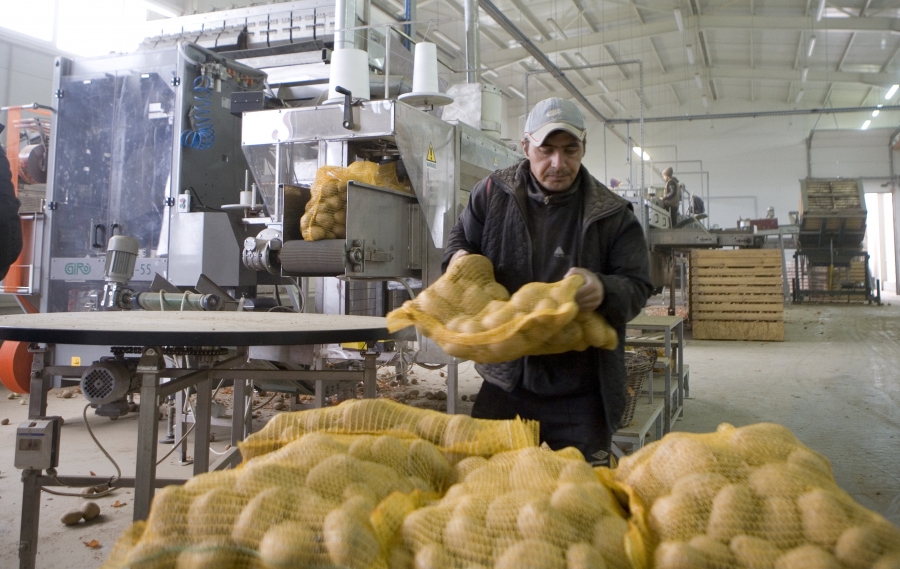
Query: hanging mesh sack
471, 316
452, 434
325, 216
525, 509
320, 501
750, 497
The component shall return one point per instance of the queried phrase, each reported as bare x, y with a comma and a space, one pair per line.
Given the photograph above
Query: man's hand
456, 256
590, 294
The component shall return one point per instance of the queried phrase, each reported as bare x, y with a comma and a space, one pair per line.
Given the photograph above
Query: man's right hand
459, 254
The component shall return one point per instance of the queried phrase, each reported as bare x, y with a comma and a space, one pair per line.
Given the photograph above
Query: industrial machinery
830, 260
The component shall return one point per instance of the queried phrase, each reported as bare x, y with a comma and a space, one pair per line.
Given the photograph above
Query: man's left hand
590, 294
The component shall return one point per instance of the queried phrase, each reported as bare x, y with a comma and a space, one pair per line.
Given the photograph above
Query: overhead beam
720, 73
532, 19
702, 22
846, 51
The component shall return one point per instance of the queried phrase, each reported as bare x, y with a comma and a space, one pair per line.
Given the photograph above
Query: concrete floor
835, 382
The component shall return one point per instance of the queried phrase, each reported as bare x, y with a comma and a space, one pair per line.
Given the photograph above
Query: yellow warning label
430, 156
76, 361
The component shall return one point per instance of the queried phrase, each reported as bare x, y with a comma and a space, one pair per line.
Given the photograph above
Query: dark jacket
612, 246
10, 226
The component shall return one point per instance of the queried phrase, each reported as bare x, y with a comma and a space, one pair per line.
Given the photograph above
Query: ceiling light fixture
876, 112
492, 73
866, 124
621, 106
812, 45
698, 81
559, 30
603, 85
821, 11
678, 20
516, 92
799, 95
891, 91
690, 54
581, 59
637, 150
803, 73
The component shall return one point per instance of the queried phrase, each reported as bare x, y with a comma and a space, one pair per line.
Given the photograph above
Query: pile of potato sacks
752, 497
471, 316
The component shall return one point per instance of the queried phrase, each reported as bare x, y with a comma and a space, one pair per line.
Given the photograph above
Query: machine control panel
37, 444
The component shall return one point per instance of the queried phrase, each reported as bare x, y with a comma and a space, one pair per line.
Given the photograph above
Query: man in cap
672, 198
541, 220
10, 226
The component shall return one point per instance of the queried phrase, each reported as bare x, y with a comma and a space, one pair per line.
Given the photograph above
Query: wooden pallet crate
737, 294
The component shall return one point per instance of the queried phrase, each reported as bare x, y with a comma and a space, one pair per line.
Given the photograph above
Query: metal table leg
370, 379
202, 413
679, 352
148, 422
31, 514
238, 409
178, 409
452, 386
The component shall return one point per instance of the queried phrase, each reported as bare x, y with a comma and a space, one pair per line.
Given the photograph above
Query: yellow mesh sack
471, 316
453, 434
531, 508
386, 177
752, 497
325, 216
320, 501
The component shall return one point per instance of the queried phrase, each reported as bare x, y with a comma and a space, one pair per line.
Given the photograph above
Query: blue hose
202, 135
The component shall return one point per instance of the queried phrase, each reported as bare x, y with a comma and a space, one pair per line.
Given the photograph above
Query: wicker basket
637, 367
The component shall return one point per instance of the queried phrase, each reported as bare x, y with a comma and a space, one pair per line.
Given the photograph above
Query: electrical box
37, 444
184, 203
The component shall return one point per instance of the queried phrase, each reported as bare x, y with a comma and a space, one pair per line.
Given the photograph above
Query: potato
584, 556
858, 547
339, 230
208, 558
677, 517
754, 553
468, 539
537, 520
90, 510
152, 554
583, 504
432, 556
679, 455
734, 511
314, 232
212, 515
71, 517
304, 222
427, 461
781, 522
532, 554
776, 480
471, 326
168, 515
714, 552
349, 539
290, 544
425, 526
389, 451
502, 515
811, 462
807, 556
824, 518
499, 318
430, 303
497, 291
270, 507
700, 486
889, 561
340, 217
460, 430
335, 202
763, 442
381, 479
473, 506
361, 448
676, 555
536, 469
330, 477
465, 466
609, 537
644, 483
261, 474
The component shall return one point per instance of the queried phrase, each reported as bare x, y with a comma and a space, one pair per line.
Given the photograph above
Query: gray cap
551, 115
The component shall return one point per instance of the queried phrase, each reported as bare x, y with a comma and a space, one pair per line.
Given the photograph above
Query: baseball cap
551, 115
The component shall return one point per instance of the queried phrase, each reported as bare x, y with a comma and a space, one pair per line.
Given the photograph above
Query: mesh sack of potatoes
453, 434
471, 316
325, 216
320, 501
526, 509
752, 497
386, 177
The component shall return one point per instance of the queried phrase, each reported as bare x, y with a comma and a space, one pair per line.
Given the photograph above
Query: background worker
672, 198
10, 226
541, 220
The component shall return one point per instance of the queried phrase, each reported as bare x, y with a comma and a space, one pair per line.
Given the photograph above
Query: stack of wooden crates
737, 294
